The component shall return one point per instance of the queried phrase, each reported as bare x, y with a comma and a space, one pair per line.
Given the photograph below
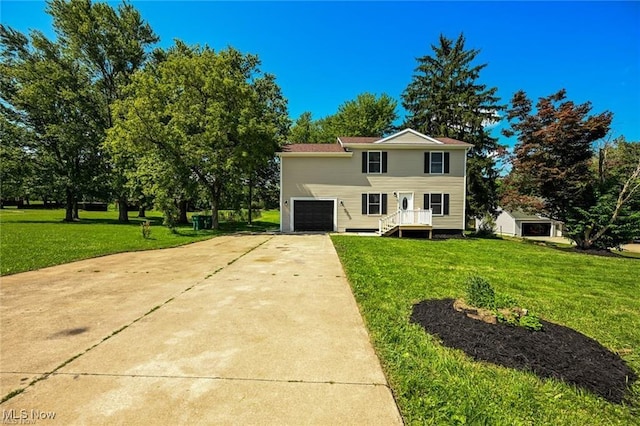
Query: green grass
33, 239
598, 296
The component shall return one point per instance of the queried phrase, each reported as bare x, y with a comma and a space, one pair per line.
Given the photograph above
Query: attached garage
313, 215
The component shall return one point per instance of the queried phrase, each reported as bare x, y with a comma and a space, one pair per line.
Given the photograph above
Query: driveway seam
44, 376
221, 378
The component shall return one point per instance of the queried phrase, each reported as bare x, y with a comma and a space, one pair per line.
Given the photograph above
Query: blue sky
325, 53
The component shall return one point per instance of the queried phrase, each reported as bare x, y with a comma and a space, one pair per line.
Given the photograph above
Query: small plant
480, 293
505, 301
503, 307
486, 227
530, 322
146, 229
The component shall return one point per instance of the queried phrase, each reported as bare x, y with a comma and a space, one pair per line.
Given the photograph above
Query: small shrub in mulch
554, 352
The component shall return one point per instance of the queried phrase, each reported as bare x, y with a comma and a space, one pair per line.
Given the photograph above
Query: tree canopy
367, 115
201, 113
558, 172
446, 98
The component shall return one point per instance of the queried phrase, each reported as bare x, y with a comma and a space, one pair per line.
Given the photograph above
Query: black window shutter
427, 202
365, 161
427, 162
384, 161
364, 202
384, 202
445, 205
446, 162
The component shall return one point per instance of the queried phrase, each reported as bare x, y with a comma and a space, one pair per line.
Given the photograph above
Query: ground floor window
438, 203
374, 203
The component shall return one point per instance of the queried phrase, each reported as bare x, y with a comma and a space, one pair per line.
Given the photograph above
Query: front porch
406, 220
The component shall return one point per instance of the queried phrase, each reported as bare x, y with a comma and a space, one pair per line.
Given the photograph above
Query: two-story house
404, 181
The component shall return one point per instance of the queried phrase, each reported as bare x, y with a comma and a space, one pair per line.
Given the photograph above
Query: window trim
379, 204
431, 172
369, 163
441, 203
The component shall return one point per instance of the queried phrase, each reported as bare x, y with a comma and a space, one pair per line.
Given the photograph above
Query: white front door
405, 205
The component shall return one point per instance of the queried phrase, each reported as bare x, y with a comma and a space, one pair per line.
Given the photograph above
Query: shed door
542, 229
313, 215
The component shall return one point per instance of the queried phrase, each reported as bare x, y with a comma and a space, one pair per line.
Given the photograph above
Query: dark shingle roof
358, 139
450, 141
313, 147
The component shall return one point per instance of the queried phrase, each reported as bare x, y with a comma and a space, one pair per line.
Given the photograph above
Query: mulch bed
556, 351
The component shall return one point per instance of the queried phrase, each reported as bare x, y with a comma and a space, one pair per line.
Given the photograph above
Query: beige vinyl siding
342, 179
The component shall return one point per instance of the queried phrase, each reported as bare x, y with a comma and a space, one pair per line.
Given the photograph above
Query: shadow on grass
573, 249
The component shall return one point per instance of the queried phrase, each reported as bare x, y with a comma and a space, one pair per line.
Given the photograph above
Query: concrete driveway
237, 329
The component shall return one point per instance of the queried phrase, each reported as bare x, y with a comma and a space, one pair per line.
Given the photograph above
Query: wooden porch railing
404, 217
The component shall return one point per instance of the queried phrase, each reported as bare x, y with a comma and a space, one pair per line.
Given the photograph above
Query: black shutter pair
365, 203
445, 203
427, 162
365, 162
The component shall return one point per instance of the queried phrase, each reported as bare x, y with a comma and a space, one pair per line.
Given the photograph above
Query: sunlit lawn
32, 239
597, 296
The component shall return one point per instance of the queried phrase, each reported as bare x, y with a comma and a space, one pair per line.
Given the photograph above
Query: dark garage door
312, 215
536, 229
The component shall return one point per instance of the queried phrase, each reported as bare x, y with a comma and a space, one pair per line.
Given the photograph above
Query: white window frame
379, 194
369, 163
433, 212
431, 172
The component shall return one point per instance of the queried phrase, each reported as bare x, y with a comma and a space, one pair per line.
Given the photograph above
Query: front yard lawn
35, 238
433, 384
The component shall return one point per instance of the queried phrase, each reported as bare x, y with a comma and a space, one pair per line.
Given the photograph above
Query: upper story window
374, 162
436, 163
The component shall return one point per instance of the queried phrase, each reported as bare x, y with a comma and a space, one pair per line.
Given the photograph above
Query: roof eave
314, 154
376, 146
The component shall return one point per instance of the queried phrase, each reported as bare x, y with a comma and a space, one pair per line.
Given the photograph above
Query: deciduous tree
48, 94
555, 164
111, 43
367, 115
202, 111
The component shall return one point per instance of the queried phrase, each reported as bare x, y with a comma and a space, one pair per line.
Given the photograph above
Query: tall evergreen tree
445, 98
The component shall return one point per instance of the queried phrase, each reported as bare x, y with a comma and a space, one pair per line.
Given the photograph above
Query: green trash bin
206, 222
197, 221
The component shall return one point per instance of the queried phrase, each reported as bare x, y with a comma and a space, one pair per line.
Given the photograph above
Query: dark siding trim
446, 162
364, 203
384, 162
427, 162
384, 203
365, 162
445, 205
427, 202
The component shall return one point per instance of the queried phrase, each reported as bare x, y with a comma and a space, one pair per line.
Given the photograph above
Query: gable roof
313, 147
404, 137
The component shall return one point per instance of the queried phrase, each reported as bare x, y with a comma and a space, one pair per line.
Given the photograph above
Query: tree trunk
68, 206
250, 200
182, 206
215, 205
76, 216
123, 210
142, 211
